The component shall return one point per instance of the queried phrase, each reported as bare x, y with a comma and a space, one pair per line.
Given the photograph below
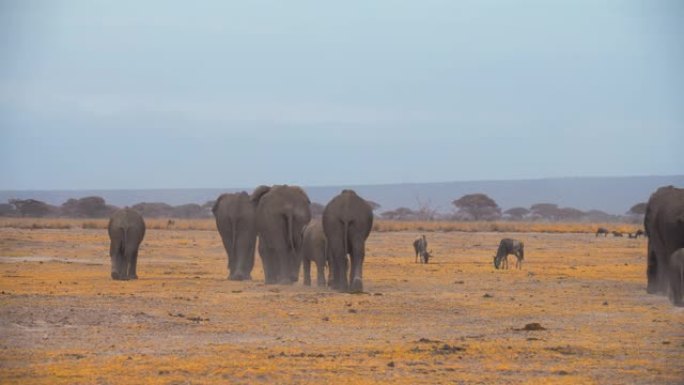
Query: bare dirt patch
457, 320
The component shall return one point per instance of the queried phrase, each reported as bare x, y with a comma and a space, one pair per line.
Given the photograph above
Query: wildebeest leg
306, 267
356, 273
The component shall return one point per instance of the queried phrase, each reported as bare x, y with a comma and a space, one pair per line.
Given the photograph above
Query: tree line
470, 207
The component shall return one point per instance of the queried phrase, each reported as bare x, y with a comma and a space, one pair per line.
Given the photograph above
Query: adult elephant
236, 222
126, 231
664, 225
282, 211
347, 222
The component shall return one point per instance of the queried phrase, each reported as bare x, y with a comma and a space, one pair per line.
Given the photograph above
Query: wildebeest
664, 227
509, 246
420, 247
617, 234
602, 231
636, 234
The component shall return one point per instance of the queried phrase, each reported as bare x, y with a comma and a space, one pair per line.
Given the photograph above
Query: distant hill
614, 195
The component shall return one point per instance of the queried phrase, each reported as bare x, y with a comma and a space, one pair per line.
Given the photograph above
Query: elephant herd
280, 216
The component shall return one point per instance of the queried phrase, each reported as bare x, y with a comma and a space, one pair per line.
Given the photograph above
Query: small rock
377, 294
487, 295
666, 342
390, 364
562, 373
534, 326
325, 318
459, 282
605, 303
353, 311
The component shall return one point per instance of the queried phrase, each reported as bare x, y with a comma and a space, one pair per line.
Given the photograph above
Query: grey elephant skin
677, 277
126, 231
236, 223
664, 225
282, 211
315, 249
347, 222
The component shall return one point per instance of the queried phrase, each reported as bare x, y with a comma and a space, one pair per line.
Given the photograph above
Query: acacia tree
548, 211
638, 209
517, 213
478, 207
32, 207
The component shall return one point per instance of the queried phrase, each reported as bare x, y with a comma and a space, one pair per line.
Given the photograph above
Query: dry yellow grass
63, 321
379, 226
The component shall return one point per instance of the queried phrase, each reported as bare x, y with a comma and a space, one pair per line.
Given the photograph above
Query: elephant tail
346, 240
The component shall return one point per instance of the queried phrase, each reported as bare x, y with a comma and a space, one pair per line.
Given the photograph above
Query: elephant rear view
281, 214
126, 231
347, 222
236, 222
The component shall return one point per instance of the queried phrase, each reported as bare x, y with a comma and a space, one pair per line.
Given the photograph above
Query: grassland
457, 320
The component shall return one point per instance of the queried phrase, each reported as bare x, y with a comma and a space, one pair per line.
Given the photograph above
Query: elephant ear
259, 192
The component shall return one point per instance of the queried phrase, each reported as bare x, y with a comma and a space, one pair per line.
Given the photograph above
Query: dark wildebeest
347, 222
664, 227
617, 234
509, 246
638, 233
602, 231
126, 231
420, 247
677, 277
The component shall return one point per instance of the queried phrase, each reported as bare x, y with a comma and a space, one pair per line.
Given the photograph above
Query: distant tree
88, 207
8, 210
547, 211
190, 210
32, 207
517, 213
478, 206
317, 210
599, 216
400, 214
570, 214
638, 209
153, 209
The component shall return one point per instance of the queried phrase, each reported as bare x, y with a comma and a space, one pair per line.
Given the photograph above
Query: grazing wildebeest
638, 233
236, 223
170, 223
420, 247
677, 277
126, 231
315, 249
664, 227
617, 234
602, 231
347, 222
509, 246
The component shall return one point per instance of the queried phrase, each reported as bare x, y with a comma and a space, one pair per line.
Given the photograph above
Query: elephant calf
315, 249
347, 222
126, 231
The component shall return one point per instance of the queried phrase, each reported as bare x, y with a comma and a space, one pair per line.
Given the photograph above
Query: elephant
315, 249
677, 277
347, 222
282, 211
126, 231
236, 222
664, 227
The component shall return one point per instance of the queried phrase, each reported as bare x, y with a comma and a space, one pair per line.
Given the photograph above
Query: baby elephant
315, 249
126, 231
677, 277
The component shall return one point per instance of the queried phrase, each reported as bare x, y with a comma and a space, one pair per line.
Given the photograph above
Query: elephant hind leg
306, 267
320, 273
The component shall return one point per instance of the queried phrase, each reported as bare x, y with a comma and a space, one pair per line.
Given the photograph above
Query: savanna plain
576, 313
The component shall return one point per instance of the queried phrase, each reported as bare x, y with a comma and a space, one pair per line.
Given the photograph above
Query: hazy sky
161, 94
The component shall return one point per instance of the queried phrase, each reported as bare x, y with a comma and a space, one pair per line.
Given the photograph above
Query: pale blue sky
161, 94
